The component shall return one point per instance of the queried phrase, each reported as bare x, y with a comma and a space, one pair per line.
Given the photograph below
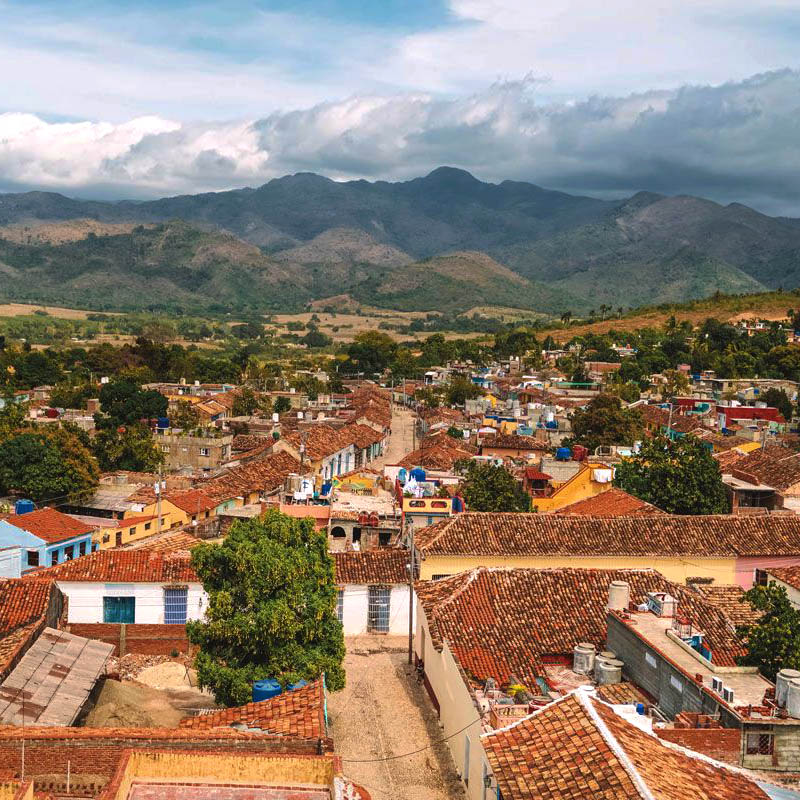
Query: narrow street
383, 714
401, 439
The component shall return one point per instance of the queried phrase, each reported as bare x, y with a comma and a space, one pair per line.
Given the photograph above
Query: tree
184, 416
372, 351
777, 398
315, 338
490, 488
679, 477
677, 383
125, 403
455, 433
245, 404
459, 390
127, 447
605, 421
46, 464
282, 405
773, 642
71, 395
271, 608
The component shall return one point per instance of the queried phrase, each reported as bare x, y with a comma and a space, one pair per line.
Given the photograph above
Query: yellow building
728, 548
121, 531
590, 480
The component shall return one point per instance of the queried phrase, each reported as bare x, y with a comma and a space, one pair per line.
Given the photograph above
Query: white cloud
735, 141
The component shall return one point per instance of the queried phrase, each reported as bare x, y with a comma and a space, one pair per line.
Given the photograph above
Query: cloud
734, 141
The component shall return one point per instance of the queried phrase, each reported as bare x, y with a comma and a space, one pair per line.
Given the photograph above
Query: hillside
383, 243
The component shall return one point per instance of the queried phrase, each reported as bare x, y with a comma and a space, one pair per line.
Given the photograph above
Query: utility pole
411, 601
158, 501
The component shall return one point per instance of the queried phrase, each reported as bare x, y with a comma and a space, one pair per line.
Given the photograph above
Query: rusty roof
23, 601
774, 466
526, 534
500, 622
123, 566
50, 525
372, 566
578, 747
297, 713
612, 503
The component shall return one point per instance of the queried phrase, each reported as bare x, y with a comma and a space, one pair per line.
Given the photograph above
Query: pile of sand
169, 675
126, 705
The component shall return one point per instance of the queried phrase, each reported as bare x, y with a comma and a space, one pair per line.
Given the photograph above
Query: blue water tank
299, 685
640, 709
418, 474
263, 690
24, 507
563, 454
163, 422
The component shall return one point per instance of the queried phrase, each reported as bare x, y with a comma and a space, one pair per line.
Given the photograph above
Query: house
582, 747
786, 577
42, 538
512, 446
600, 371
768, 478
588, 480
110, 533
130, 586
729, 549
321, 449
373, 591
489, 629
202, 453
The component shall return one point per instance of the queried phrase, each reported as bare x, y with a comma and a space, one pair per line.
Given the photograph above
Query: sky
143, 99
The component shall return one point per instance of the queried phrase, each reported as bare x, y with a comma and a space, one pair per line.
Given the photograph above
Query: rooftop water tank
782, 684
583, 658
263, 690
418, 474
619, 595
563, 454
299, 685
24, 507
793, 698
608, 671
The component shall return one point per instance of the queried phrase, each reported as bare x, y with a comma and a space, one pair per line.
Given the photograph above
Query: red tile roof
195, 501
320, 440
730, 600
533, 474
22, 602
512, 441
774, 466
612, 503
788, 575
50, 525
264, 475
299, 714
505, 534
501, 622
372, 566
578, 748
441, 456
124, 566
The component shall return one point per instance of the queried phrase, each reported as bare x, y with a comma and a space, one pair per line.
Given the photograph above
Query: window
118, 538
206, 514
54, 558
760, 744
132, 531
760, 577
106, 538
82, 549
676, 683
204, 451
651, 660
175, 602
119, 609
33, 558
378, 603
439, 576
69, 553
340, 605
147, 525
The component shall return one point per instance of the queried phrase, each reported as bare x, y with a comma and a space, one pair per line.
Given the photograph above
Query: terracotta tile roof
533, 474
263, 475
22, 602
320, 440
774, 466
501, 622
362, 436
511, 441
728, 599
372, 566
299, 714
123, 566
788, 575
506, 534
50, 525
440, 456
242, 442
578, 748
613, 503
195, 501
622, 693
165, 542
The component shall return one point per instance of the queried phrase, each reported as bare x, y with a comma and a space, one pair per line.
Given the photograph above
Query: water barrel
563, 454
619, 595
418, 474
782, 684
583, 658
299, 685
263, 690
23, 507
793, 698
163, 422
609, 671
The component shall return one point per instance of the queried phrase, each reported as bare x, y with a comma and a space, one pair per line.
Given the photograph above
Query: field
25, 309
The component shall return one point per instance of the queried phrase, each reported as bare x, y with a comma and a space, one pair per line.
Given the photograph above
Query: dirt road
384, 713
401, 439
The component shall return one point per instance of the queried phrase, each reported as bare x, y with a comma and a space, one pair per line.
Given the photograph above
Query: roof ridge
527, 717
616, 748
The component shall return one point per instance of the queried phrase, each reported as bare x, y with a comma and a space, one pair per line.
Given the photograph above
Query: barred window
760, 744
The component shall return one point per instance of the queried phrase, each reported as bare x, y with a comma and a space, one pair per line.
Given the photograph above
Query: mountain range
445, 242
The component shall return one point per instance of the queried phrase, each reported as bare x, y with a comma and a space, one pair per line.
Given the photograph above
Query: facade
197, 453
41, 538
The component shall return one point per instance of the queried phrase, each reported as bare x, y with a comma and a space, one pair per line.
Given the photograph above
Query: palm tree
566, 317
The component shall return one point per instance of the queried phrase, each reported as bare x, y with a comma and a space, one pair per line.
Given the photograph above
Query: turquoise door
119, 609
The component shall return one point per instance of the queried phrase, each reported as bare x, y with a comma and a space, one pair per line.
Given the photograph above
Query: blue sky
142, 98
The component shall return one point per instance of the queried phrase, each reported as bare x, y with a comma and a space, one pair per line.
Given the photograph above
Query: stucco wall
355, 606
86, 600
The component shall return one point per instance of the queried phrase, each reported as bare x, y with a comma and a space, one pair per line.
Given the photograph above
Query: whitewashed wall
10, 562
355, 605
85, 600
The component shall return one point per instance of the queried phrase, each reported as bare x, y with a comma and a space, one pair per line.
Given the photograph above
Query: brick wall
151, 640
721, 743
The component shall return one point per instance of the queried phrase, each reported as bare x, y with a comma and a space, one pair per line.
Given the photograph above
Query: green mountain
305, 237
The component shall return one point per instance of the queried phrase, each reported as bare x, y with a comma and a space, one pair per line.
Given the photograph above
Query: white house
131, 586
373, 591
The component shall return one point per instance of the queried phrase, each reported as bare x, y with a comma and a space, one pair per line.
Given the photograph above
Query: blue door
175, 606
119, 609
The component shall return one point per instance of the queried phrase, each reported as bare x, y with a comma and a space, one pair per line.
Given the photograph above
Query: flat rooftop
748, 686
172, 791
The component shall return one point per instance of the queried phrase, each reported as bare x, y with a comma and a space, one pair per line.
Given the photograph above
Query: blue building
41, 539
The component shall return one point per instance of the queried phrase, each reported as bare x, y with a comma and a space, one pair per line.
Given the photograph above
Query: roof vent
716, 685
727, 694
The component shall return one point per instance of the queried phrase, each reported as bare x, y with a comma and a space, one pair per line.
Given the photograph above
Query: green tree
45, 464
490, 488
125, 404
71, 395
459, 390
271, 608
455, 433
777, 398
773, 642
315, 338
246, 403
127, 447
372, 351
680, 477
605, 421
282, 405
